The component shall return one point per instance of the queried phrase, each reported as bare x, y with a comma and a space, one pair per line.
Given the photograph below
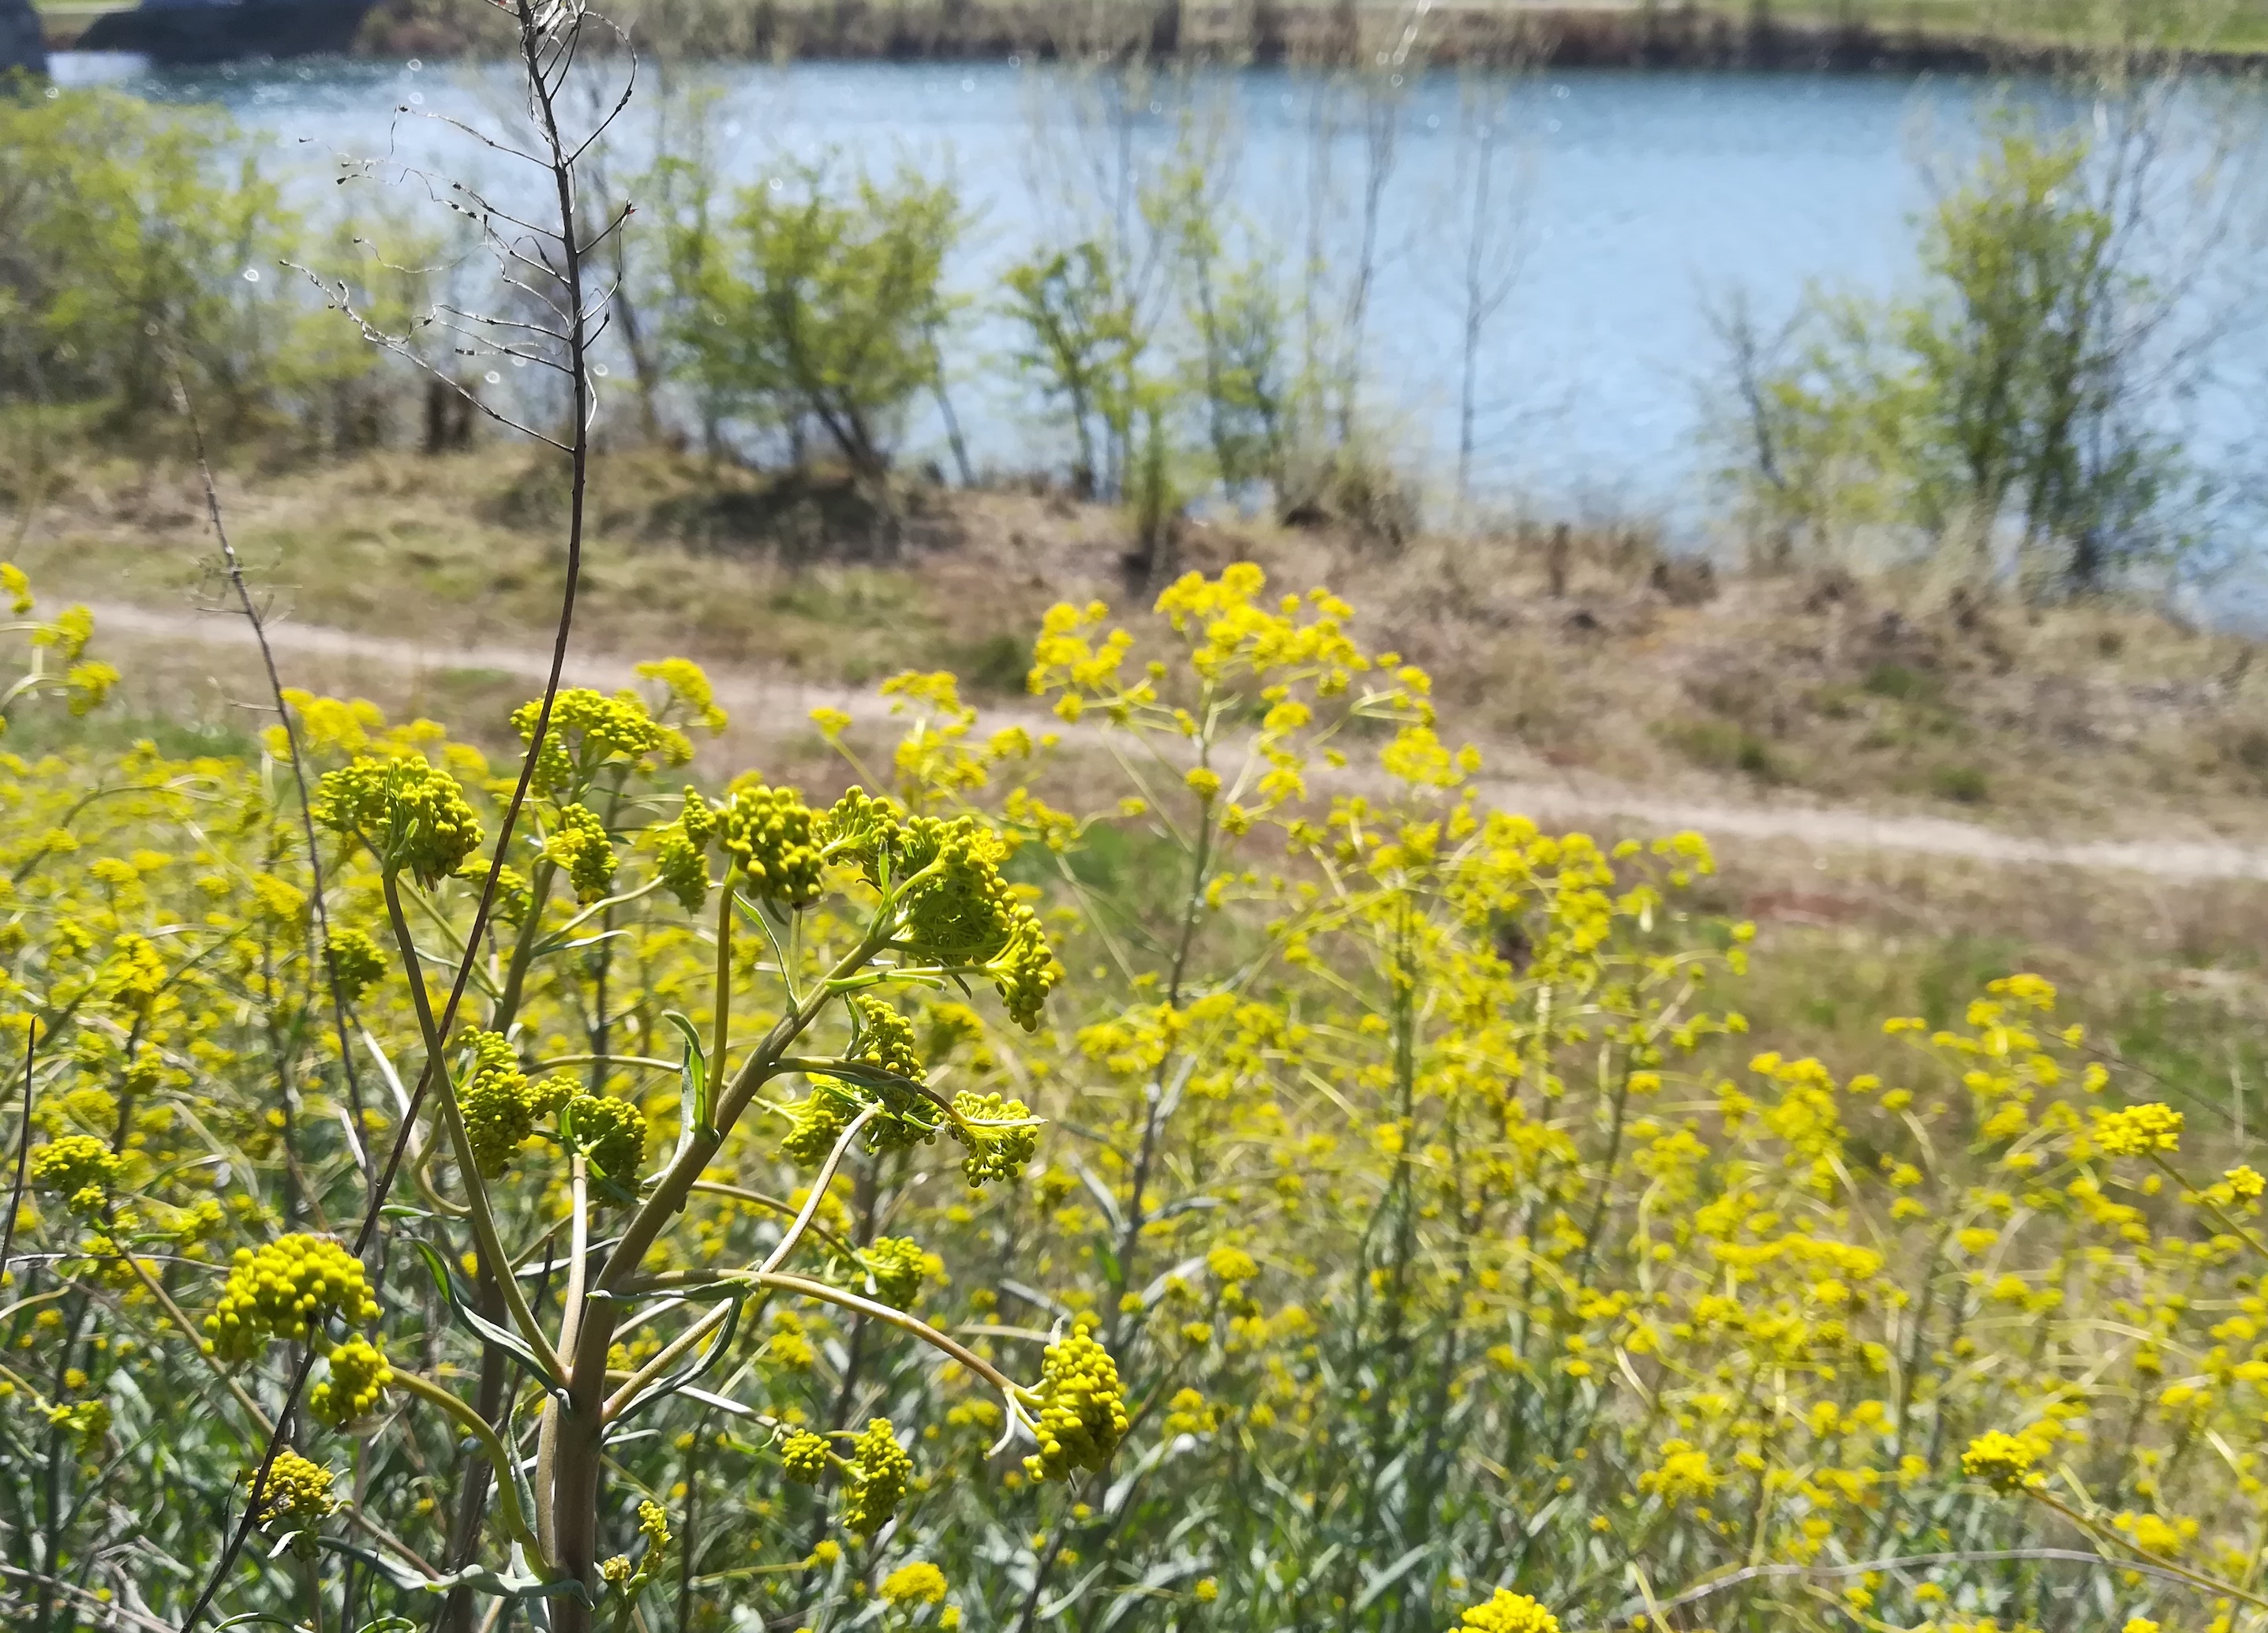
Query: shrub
1080, 340
2014, 413
1965, 784
812, 310
134, 238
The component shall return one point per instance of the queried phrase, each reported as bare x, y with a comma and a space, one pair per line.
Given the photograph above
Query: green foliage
1999, 417
1965, 784
812, 308
1237, 373
1087, 326
135, 238
1079, 338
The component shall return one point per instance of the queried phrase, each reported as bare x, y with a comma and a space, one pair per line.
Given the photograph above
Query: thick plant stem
472, 1473
573, 1492
546, 1434
311, 1574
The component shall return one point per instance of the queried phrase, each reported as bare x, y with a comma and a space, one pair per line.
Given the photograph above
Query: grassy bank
1583, 655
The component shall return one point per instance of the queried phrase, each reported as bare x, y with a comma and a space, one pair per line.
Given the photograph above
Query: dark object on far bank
22, 49
217, 31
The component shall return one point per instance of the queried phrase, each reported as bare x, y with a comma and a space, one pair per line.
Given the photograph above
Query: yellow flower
2137, 1130
292, 1288
1507, 1612
804, 1457
1082, 1409
878, 1471
2000, 1461
413, 816
919, 1582
358, 1376
295, 1491
1683, 1475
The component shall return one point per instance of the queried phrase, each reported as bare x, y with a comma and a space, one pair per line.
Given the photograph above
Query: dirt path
780, 697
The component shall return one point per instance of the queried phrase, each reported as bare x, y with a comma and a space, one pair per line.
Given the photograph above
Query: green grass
1725, 746
2163, 23
41, 729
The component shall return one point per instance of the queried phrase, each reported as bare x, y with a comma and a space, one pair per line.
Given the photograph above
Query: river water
1621, 208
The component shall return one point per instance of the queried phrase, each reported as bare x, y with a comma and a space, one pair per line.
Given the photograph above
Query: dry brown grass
1642, 669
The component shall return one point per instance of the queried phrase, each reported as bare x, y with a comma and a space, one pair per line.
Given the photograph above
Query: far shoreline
1318, 36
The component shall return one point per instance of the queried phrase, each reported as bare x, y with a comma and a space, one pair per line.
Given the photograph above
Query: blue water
1628, 205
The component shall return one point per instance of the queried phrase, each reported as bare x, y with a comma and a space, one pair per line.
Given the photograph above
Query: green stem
2196, 1579
523, 948
827, 1293
721, 1035
312, 1574
662, 1361
2210, 1206
1200, 864
757, 1199
493, 1449
817, 1191
476, 1190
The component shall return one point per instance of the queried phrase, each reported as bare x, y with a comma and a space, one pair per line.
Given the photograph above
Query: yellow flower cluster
2137, 1130
83, 1168
917, 1583
770, 833
817, 1121
1082, 1407
1508, 1612
501, 1107
2001, 1460
296, 1491
588, 730
292, 1288
359, 1373
611, 1132
804, 1457
959, 912
653, 1526
578, 844
1684, 1474
688, 686
681, 851
1001, 1134
355, 962
880, 1469
893, 1267
412, 814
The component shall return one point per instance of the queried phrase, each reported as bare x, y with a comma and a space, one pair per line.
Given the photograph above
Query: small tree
1081, 341
134, 243
810, 309
2019, 403
1236, 325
